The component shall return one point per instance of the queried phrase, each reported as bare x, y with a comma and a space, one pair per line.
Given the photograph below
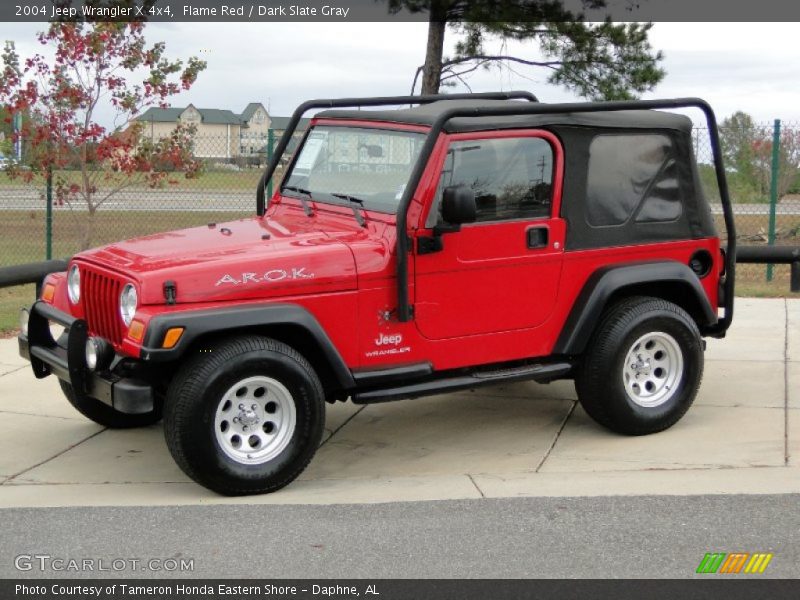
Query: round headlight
127, 303
74, 284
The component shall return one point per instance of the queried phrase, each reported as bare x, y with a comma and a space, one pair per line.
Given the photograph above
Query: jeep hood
245, 259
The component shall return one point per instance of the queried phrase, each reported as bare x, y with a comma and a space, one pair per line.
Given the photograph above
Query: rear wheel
642, 368
106, 416
245, 418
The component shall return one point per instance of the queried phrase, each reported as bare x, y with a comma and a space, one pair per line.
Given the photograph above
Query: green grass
751, 281
11, 300
22, 233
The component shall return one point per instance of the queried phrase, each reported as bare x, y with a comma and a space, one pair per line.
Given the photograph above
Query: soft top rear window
632, 176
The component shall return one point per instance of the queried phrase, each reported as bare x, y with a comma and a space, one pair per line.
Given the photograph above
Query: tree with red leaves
747, 147
94, 65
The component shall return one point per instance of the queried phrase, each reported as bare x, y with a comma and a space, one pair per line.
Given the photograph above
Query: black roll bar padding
30, 272
789, 255
403, 306
283, 143
768, 254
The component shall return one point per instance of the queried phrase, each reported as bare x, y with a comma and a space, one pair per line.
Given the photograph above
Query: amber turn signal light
172, 337
48, 292
136, 331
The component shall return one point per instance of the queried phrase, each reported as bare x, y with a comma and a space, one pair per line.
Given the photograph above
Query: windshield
339, 165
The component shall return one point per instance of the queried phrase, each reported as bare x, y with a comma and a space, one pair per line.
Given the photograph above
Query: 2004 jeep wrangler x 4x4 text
471, 239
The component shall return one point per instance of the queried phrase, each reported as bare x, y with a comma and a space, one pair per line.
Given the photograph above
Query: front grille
100, 297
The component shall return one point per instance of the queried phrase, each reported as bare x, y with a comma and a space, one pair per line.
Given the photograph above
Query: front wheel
246, 417
642, 368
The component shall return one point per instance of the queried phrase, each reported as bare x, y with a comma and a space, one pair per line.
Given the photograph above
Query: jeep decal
268, 277
385, 340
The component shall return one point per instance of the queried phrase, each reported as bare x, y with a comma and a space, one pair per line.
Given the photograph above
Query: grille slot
99, 293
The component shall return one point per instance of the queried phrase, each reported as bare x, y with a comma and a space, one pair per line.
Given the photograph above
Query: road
16, 198
147, 200
601, 537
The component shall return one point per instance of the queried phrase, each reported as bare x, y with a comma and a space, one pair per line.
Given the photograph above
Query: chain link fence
762, 162
764, 182
129, 206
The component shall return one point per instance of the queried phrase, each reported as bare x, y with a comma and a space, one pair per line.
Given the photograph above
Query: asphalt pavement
603, 537
206, 200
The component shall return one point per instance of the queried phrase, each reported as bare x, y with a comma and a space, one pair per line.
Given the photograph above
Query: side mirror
458, 205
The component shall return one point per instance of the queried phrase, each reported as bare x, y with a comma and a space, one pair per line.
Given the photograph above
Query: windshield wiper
354, 202
301, 197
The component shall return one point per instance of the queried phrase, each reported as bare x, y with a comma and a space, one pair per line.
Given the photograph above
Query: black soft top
426, 114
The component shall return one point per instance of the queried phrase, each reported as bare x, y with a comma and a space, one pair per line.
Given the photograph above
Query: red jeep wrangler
471, 240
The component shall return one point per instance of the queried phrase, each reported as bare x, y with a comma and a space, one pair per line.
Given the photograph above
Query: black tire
195, 399
104, 415
602, 372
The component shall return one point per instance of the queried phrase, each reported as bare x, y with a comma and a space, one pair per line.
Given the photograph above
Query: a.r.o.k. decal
271, 276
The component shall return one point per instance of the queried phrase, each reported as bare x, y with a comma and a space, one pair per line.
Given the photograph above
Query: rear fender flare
604, 283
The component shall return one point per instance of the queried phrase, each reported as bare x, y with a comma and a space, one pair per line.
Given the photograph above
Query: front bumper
66, 359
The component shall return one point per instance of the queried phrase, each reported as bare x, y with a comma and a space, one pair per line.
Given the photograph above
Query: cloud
735, 66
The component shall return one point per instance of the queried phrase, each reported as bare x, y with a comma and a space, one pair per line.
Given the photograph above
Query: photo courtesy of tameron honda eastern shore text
467, 240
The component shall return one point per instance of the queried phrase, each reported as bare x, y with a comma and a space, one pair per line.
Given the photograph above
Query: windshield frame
328, 198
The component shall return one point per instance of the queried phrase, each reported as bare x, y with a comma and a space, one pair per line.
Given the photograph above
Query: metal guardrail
784, 255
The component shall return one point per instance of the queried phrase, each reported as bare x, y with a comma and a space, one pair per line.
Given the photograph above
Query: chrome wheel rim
653, 369
255, 420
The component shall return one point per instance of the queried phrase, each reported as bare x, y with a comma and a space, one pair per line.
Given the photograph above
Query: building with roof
220, 134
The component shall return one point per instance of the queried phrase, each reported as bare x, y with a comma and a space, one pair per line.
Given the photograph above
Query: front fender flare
197, 323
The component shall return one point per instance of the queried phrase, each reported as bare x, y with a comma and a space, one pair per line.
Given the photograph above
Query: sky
753, 67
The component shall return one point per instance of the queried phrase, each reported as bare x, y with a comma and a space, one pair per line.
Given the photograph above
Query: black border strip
741, 587
339, 11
